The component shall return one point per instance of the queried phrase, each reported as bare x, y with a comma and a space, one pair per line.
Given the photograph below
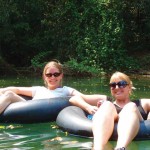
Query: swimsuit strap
142, 111
139, 106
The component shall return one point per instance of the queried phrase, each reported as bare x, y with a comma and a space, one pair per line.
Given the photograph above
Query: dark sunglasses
56, 74
121, 84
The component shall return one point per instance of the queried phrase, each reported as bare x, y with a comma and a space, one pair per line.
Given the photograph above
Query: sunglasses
121, 84
56, 74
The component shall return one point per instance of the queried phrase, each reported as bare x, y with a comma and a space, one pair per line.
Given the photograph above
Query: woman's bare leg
103, 125
7, 98
128, 124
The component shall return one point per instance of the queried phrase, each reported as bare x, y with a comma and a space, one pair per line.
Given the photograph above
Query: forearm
80, 102
93, 99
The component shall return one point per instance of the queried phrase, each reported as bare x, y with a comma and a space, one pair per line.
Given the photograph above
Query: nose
117, 87
52, 76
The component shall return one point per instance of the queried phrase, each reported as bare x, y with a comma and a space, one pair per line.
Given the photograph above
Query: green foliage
21, 34
81, 68
101, 44
145, 63
40, 60
137, 25
99, 34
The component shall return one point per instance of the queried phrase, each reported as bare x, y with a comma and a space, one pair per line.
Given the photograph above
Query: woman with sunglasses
52, 76
127, 113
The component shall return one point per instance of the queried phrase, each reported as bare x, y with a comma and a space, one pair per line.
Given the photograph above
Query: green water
46, 135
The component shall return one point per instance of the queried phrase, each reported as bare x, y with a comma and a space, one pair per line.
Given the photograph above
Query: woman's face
120, 89
53, 77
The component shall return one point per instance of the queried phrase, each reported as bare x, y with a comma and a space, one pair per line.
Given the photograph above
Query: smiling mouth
118, 93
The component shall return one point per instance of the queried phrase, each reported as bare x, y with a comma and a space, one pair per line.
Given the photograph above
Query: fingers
99, 103
93, 109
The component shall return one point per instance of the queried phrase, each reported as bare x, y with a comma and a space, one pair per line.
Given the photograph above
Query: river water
47, 136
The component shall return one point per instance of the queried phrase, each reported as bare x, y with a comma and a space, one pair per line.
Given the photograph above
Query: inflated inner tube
74, 120
34, 111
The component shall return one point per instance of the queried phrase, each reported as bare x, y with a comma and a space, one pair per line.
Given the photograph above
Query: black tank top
138, 104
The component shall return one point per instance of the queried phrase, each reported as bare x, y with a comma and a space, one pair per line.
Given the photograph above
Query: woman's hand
92, 109
99, 103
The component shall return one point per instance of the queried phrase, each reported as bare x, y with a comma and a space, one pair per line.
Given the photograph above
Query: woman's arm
18, 90
80, 102
87, 102
90, 99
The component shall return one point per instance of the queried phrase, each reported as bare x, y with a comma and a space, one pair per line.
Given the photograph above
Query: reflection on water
38, 136
46, 135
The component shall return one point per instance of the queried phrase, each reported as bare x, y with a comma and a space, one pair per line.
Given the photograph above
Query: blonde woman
127, 113
52, 76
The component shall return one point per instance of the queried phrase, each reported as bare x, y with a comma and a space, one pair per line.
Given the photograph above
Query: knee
107, 105
9, 94
129, 108
106, 108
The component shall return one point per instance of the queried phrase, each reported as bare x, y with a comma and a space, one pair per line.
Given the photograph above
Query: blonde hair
51, 63
124, 77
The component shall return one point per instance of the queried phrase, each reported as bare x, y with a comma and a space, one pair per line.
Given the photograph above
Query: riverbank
29, 71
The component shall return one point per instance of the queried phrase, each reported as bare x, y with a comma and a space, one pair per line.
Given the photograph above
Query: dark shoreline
28, 71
